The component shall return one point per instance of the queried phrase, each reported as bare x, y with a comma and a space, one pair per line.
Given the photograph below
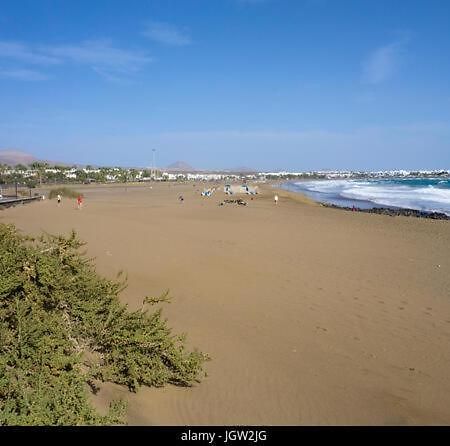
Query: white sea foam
423, 198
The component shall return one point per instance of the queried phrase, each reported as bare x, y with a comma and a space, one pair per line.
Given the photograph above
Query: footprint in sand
401, 308
321, 328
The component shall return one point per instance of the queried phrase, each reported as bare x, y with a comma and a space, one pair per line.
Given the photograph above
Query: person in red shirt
80, 201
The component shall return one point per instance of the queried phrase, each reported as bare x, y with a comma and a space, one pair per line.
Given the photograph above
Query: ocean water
423, 194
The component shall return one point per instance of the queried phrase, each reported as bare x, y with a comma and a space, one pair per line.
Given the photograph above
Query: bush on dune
64, 192
62, 328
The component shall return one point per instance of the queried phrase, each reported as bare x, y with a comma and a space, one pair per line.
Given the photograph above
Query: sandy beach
311, 316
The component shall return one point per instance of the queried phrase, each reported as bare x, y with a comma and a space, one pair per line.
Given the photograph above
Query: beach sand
312, 316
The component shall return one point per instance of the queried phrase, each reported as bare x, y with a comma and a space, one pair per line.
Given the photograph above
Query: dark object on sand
393, 212
239, 202
181, 199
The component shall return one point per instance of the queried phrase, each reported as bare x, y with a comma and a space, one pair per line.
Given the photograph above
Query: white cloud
102, 56
23, 53
384, 62
23, 75
167, 34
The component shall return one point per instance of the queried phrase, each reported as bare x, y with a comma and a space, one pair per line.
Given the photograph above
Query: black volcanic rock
393, 212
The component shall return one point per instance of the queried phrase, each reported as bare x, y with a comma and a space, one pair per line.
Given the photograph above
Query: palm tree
40, 168
20, 167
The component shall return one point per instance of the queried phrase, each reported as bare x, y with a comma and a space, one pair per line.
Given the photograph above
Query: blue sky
270, 84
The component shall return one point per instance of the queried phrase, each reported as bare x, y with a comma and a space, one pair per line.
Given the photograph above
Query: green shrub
62, 329
64, 192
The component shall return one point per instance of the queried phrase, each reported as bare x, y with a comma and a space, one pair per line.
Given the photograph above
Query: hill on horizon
14, 157
181, 166
241, 169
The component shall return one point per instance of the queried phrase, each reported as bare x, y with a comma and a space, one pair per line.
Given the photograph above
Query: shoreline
380, 210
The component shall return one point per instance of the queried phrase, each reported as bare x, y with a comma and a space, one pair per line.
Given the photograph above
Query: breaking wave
430, 195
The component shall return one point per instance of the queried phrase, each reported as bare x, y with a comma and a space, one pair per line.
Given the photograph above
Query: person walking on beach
276, 199
59, 199
79, 201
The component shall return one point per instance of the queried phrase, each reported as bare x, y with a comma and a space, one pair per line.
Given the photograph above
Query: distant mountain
241, 169
13, 157
181, 166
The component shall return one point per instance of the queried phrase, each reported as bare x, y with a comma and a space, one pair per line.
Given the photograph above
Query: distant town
40, 172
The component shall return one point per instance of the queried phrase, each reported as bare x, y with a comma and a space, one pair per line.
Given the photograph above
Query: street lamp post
153, 165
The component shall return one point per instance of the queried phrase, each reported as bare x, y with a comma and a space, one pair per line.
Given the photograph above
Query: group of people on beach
79, 201
181, 198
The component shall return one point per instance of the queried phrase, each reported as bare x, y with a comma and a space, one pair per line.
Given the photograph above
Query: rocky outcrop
393, 212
